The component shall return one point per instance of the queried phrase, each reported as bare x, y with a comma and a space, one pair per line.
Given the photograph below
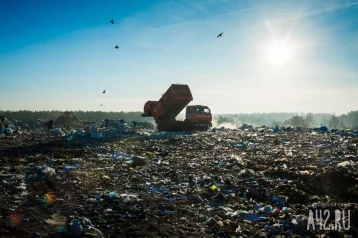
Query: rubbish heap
130, 181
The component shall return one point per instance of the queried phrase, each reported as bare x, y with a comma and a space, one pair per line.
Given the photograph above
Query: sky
274, 56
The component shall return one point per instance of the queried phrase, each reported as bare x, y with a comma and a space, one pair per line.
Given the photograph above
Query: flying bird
104, 91
220, 35
116, 47
101, 105
112, 21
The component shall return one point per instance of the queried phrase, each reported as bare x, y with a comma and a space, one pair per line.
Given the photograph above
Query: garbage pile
127, 181
68, 118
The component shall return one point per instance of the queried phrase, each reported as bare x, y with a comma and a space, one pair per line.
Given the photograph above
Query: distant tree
296, 121
325, 120
81, 115
334, 122
275, 123
222, 119
310, 121
342, 124
351, 119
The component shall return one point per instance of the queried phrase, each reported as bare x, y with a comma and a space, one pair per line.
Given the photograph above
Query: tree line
309, 120
81, 115
349, 120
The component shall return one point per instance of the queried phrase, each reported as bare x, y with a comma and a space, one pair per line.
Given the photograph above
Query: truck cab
198, 114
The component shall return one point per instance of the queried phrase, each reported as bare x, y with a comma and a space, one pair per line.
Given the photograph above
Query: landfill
123, 179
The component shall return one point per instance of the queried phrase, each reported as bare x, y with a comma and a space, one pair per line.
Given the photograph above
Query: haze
274, 56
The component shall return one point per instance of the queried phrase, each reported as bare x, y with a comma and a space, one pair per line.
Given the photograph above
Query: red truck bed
173, 101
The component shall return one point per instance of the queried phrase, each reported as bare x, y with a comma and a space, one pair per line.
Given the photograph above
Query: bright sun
279, 53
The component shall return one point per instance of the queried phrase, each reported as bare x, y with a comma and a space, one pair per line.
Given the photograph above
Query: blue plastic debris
77, 227
253, 183
119, 155
155, 189
279, 200
165, 212
323, 129
63, 229
113, 194
276, 129
244, 144
257, 207
284, 181
133, 215
75, 223
274, 229
246, 126
268, 209
69, 168
249, 216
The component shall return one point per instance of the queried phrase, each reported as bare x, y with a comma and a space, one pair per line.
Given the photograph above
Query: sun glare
279, 53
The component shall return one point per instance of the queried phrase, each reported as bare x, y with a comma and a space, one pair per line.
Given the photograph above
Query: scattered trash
132, 181
8, 131
346, 163
49, 171
79, 227
96, 136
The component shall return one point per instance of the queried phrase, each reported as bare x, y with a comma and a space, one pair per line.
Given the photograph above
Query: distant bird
101, 105
116, 47
220, 35
104, 91
112, 21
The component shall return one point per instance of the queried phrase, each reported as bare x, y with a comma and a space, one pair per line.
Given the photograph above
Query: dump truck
172, 102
